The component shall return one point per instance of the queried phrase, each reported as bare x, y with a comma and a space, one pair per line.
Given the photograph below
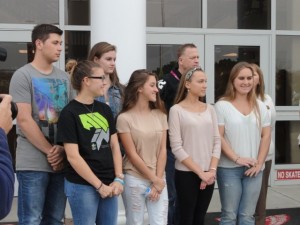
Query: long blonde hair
230, 93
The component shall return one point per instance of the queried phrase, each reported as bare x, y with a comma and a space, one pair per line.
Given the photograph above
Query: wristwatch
121, 176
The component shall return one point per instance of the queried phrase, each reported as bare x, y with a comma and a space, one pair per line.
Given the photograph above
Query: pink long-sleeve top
194, 134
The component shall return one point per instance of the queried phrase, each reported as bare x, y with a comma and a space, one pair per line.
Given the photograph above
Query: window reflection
287, 15
161, 58
165, 13
29, 11
226, 56
77, 44
287, 150
18, 54
287, 70
77, 12
237, 14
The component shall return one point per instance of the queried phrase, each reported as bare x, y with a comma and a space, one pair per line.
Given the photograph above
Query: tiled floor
278, 197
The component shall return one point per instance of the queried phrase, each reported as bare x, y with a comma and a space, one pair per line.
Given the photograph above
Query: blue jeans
135, 202
173, 211
41, 198
88, 207
238, 195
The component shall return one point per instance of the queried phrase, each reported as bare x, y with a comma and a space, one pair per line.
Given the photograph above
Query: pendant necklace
91, 111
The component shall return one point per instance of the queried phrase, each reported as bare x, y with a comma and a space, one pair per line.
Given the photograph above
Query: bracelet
119, 180
213, 168
156, 189
98, 189
235, 161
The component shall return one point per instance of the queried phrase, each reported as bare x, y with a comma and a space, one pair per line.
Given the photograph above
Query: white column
123, 24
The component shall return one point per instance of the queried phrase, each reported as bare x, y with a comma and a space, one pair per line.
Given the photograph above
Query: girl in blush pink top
196, 144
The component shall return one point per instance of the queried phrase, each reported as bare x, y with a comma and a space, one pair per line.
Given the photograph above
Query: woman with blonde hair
142, 127
196, 144
259, 86
244, 127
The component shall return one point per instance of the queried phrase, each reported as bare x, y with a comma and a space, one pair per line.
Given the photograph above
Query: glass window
174, 13
13, 56
29, 11
287, 15
17, 55
287, 150
77, 12
161, 58
77, 44
226, 56
287, 70
237, 14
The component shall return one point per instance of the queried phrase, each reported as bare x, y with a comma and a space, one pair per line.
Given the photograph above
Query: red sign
277, 219
273, 219
288, 174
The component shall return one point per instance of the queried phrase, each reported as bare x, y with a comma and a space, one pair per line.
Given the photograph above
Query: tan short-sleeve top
146, 132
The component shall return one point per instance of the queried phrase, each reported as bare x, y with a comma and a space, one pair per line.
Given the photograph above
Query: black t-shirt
92, 132
168, 86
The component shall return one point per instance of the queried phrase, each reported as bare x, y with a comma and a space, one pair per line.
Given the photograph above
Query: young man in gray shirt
40, 91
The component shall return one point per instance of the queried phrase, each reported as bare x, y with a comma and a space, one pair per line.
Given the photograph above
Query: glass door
15, 51
15, 47
222, 52
162, 50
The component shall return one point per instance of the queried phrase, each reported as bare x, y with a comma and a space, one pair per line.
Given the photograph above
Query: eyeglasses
190, 73
100, 77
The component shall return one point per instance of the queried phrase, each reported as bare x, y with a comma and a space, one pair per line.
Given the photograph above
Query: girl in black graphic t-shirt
94, 176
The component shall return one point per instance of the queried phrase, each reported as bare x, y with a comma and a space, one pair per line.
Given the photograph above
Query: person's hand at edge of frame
5, 113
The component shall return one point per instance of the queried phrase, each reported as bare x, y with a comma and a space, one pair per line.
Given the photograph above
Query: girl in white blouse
244, 126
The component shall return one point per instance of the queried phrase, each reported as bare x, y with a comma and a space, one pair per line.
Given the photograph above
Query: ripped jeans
135, 202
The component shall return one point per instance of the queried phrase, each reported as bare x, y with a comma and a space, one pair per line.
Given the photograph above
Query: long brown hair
137, 79
182, 90
260, 87
97, 51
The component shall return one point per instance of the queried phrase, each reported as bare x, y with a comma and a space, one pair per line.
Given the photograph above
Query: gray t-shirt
47, 94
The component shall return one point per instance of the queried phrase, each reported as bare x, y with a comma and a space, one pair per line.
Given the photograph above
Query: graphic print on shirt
161, 84
50, 97
100, 123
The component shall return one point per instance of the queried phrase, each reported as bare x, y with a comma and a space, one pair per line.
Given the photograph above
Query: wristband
98, 189
119, 180
215, 169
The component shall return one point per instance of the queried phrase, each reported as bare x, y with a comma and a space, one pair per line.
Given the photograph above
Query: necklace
91, 111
